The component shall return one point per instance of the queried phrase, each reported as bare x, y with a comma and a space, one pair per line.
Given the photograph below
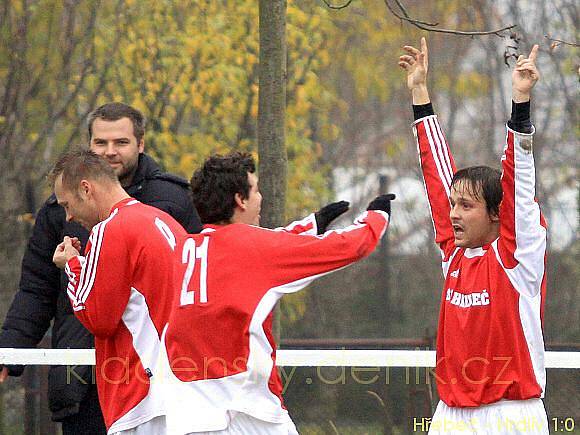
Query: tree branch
406, 14
432, 27
336, 7
556, 42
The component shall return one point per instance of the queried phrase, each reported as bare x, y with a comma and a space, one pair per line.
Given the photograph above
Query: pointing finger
534, 52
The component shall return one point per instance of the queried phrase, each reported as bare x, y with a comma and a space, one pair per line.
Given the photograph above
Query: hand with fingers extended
524, 76
328, 213
416, 63
382, 202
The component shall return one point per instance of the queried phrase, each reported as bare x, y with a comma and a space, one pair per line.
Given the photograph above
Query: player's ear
240, 201
493, 217
85, 188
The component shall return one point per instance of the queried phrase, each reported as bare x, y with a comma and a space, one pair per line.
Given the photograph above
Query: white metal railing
285, 357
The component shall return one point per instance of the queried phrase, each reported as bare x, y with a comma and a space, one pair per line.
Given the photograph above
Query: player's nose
453, 213
110, 149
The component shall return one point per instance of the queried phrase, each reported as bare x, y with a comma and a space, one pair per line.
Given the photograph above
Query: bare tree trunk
271, 117
271, 111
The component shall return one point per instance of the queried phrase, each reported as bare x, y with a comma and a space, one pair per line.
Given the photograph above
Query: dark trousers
89, 420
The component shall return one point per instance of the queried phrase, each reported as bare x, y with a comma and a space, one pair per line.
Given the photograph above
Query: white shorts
244, 424
506, 417
155, 426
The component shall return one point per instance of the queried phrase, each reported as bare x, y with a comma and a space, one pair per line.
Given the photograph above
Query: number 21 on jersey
190, 256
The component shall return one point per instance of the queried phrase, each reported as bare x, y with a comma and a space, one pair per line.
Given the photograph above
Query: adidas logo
455, 273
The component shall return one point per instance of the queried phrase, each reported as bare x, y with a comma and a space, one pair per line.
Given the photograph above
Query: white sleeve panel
522, 244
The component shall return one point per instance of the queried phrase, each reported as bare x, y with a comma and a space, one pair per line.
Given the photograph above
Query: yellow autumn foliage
191, 66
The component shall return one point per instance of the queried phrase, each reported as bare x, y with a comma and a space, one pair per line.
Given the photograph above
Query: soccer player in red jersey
220, 351
490, 350
121, 289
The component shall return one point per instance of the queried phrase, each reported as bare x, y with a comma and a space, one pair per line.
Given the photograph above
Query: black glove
328, 213
382, 202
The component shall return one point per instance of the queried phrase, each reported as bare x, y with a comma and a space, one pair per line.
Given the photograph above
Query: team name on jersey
469, 300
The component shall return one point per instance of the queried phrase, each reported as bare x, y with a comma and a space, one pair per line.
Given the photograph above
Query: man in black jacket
116, 132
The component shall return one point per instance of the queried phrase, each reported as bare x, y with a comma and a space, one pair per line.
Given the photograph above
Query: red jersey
122, 292
489, 342
219, 341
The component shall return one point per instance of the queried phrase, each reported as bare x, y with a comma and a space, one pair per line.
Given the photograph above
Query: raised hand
524, 76
416, 64
328, 213
382, 202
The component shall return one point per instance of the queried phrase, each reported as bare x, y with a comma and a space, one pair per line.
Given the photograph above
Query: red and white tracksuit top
489, 342
219, 341
122, 291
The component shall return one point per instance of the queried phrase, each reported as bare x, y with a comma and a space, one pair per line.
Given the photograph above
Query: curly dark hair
482, 181
116, 111
216, 183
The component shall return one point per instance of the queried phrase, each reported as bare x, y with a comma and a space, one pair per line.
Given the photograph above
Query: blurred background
191, 67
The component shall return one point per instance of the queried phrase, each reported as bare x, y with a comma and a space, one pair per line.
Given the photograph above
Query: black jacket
42, 294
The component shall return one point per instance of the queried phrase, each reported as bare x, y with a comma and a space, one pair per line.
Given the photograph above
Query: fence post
2, 414
48, 426
30, 400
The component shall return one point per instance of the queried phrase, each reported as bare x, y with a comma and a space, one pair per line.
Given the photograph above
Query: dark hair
482, 181
116, 111
81, 164
216, 183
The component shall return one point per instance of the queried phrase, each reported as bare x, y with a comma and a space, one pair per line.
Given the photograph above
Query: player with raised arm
121, 290
490, 351
221, 352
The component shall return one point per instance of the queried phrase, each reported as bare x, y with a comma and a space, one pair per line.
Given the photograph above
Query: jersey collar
123, 203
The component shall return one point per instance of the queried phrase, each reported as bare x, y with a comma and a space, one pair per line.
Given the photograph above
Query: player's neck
489, 238
493, 234
237, 217
109, 199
